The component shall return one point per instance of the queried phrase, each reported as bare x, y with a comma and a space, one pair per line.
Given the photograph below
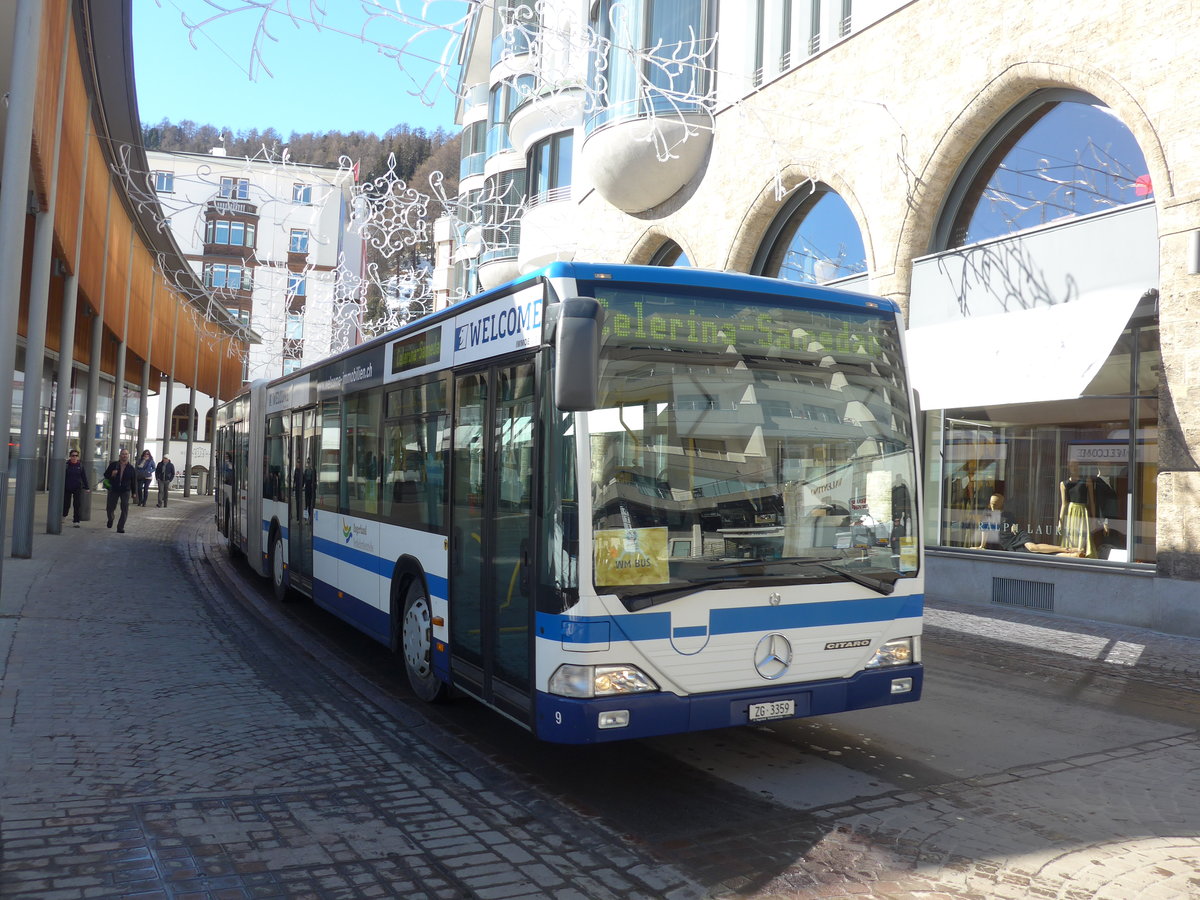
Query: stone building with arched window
1022, 185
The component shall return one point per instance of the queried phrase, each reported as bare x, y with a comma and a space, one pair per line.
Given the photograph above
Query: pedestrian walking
76, 484
146, 470
121, 479
164, 473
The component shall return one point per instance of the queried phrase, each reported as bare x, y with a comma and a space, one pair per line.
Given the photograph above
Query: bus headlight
599, 681
896, 652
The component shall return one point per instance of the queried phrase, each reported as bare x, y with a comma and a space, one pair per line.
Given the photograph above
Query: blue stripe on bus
657, 626
360, 558
437, 584
690, 631
374, 622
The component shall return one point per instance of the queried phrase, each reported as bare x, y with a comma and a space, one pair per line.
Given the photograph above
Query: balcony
497, 266
228, 206
545, 114
471, 165
640, 160
545, 230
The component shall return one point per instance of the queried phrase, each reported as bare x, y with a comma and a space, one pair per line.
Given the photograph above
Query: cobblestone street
160, 743
160, 740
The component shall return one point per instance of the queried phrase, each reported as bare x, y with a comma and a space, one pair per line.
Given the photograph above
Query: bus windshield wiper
782, 561
875, 584
671, 591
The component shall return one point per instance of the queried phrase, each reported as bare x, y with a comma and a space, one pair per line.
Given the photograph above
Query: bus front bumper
573, 721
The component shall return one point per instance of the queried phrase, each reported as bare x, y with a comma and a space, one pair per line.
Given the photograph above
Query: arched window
669, 254
1059, 154
181, 416
814, 239
208, 425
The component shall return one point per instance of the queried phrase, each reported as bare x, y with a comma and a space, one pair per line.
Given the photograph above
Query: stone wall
888, 117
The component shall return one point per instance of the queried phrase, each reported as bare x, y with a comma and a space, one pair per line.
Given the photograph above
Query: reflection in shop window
1072, 474
813, 240
1058, 155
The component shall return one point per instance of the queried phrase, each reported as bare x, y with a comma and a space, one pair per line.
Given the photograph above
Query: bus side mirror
577, 338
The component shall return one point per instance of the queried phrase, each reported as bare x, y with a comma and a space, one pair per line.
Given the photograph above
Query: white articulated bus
607, 501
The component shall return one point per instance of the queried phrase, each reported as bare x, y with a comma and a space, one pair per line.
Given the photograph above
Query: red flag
356, 173
1142, 186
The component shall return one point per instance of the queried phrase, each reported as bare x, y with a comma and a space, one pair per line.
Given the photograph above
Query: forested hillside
417, 151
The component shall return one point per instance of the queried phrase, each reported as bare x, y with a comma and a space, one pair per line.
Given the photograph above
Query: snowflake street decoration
388, 214
404, 295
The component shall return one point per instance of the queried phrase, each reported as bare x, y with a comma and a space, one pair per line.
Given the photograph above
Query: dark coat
77, 479
165, 470
118, 483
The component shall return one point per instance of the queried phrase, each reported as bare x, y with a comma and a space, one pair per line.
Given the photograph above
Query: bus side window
360, 443
328, 460
274, 481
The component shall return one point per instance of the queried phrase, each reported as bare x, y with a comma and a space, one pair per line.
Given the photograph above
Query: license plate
776, 709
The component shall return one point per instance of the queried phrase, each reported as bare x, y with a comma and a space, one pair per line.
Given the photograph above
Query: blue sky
318, 80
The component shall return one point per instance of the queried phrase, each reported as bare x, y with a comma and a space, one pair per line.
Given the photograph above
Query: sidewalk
156, 741
1100, 643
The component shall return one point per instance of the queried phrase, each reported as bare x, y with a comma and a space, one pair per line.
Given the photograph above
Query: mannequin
1077, 509
1003, 534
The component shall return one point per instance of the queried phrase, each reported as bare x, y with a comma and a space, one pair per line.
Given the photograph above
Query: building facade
98, 305
1021, 182
271, 243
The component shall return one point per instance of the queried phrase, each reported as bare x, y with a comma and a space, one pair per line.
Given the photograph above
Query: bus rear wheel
278, 577
416, 644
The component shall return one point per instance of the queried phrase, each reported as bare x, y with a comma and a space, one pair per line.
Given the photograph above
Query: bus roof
681, 276
687, 276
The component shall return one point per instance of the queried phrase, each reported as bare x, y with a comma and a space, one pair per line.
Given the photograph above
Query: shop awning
1048, 353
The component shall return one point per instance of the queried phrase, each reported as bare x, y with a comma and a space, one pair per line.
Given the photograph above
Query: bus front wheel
417, 644
234, 550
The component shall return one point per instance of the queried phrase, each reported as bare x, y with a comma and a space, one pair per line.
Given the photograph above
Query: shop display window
1069, 479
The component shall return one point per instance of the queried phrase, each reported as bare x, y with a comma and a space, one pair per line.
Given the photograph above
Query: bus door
491, 577
300, 509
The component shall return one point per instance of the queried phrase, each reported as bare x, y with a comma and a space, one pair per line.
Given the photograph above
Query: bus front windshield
748, 439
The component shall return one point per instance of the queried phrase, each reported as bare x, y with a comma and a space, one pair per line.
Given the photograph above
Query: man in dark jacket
76, 483
165, 472
122, 482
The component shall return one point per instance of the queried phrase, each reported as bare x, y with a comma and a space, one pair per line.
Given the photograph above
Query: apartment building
270, 242
1019, 178
269, 239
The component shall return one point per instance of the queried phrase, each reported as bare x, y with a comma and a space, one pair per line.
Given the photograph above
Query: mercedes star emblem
772, 656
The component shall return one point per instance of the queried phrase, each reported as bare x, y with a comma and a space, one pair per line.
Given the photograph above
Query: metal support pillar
60, 443
35, 342
170, 385
122, 351
14, 204
193, 418
144, 409
89, 438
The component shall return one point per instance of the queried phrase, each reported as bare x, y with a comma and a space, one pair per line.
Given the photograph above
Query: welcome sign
503, 326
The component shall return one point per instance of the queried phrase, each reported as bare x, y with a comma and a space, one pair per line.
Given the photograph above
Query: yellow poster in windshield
631, 556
